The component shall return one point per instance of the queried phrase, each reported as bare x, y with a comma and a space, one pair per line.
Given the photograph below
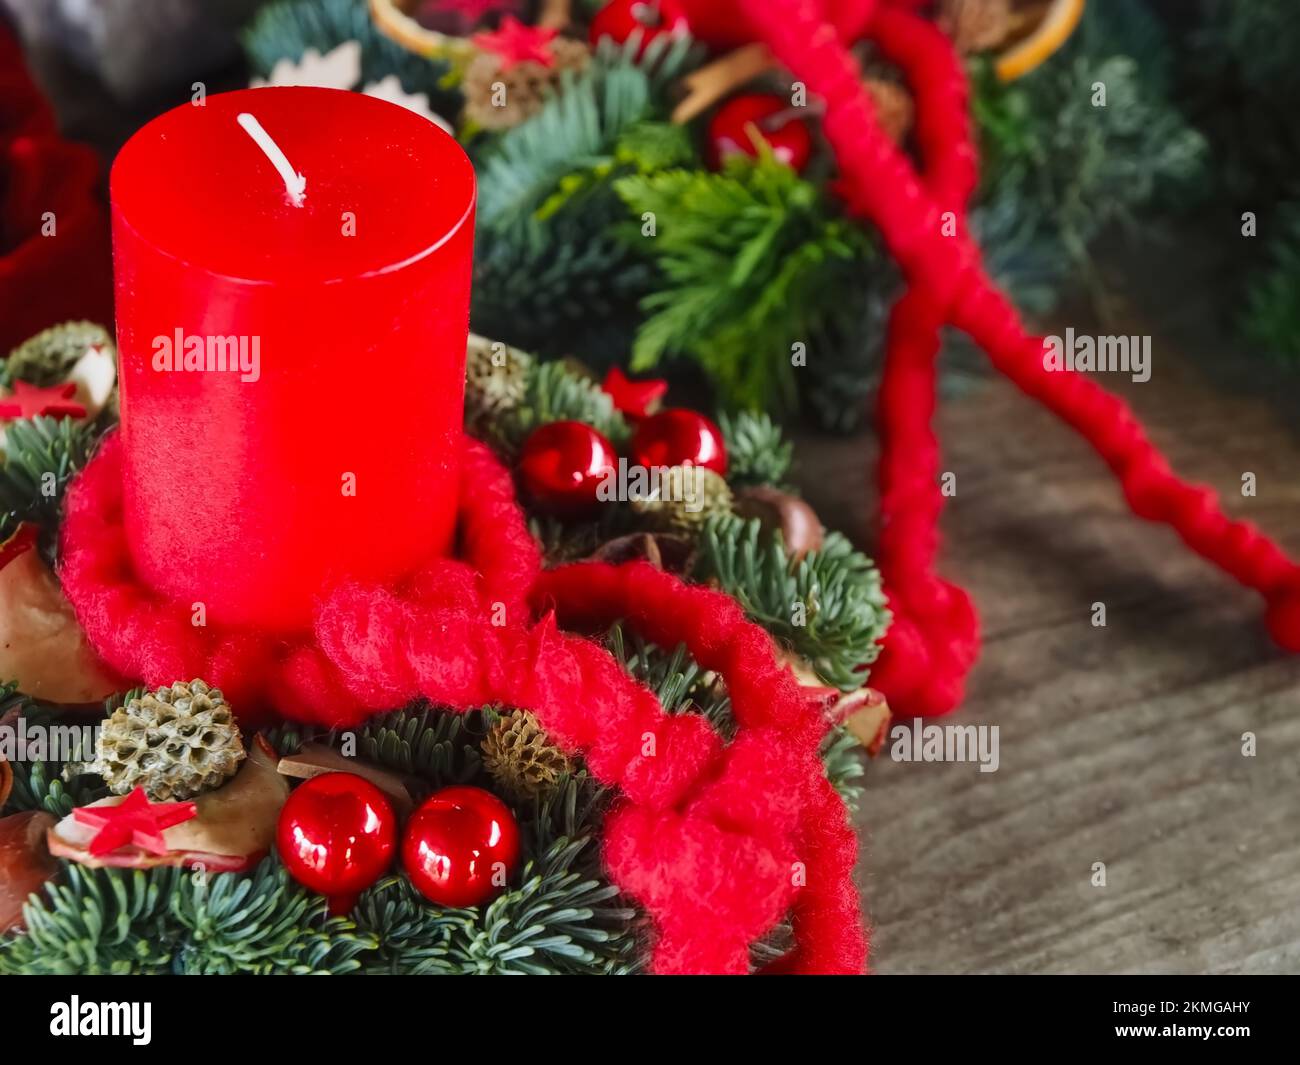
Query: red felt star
28, 401
516, 43
636, 399
135, 821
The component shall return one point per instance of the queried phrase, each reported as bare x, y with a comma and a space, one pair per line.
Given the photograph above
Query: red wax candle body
327, 446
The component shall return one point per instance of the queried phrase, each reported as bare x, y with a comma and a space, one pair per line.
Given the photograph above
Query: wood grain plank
1120, 744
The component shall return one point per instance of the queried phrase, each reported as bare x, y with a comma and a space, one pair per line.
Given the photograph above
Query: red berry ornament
461, 846
732, 131
679, 437
563, 464
337, 835
619, 19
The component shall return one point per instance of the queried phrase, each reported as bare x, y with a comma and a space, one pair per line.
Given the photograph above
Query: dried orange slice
394, 21
1046, 39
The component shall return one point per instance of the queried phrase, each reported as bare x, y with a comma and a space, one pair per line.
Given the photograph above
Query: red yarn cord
718, 843
936, 641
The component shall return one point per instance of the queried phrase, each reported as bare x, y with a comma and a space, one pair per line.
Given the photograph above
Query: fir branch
42, 456
841, 754
259, 924
566, 286
555, 393
829, 606
287, 28
676, 679
441, 747
757, 451
753, 261
96, 922
578, 129
1068, 167
41, 784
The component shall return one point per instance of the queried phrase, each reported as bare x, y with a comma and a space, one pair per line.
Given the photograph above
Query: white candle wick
294, 183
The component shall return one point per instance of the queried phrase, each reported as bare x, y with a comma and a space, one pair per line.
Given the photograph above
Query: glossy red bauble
461, 847
563, 464
732, 130
680, 437
619, 19
337, 834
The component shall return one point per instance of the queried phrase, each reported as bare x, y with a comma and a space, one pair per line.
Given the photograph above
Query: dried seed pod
520, 758
797, 522
175, 743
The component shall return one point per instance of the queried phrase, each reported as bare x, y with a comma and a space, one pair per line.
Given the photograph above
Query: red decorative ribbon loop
934, 640
715, 842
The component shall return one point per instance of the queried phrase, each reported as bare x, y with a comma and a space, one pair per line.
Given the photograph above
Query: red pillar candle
292, 365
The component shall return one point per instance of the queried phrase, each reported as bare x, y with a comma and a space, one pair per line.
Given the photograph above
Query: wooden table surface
1120, 744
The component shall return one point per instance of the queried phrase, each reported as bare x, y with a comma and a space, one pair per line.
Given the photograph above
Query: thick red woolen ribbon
717, 843
935, 637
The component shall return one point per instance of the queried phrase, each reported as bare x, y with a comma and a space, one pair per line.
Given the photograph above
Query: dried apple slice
234, 827
42, 646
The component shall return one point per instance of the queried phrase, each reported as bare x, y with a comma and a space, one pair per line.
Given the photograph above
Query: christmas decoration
684, 499
52, 356
231, 829
341, 69
42, 648
516, 43
566, 200
287, 29
41, 456
680, 437
520, 759
976, 25
563, 464
174, 744
496, 379
635, 399
392, 294
619, 20
506, 85
337, 835
28, 401
316, 759
742, 123
25, 863
461, 847
800, 528
133, 822
1047, 37
757, 451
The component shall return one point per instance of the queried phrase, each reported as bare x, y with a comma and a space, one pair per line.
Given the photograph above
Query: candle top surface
384, 186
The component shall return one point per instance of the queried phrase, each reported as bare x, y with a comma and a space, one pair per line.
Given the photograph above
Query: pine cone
894, 107
976, 25
520, 759
697, 494
496, 378
175, 743
48, 357
499, 99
